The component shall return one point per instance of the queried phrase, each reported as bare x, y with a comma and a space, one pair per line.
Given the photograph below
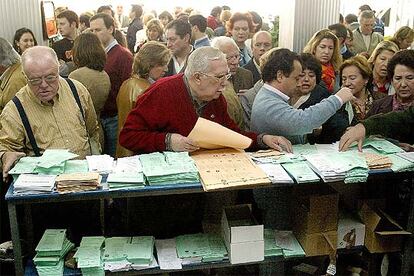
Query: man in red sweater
118, 66
168, 111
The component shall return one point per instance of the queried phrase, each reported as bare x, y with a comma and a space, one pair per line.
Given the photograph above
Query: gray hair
8, 56
259, 33
199, 60
38, 54
222, 41
367, 14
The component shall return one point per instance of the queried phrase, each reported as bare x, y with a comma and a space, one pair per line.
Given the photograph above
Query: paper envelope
210, 135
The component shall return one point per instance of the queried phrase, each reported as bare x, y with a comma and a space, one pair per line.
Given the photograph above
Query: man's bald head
261, 43
39, 55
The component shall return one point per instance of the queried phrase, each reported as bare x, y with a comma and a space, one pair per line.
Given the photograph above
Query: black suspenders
26, 123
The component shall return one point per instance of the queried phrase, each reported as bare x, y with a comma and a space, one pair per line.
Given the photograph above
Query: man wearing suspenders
48, 113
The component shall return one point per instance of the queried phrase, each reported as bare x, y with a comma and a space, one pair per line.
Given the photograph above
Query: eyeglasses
38, 81
218, 78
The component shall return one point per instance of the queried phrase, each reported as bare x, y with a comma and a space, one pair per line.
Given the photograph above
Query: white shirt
111, 45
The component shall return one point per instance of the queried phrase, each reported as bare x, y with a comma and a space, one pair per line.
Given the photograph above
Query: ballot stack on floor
51, 251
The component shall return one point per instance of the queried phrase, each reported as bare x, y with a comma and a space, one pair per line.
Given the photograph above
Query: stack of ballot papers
377, 161
53, 161
169, 168
409, 156
127, 174
34, 184
271, 249
100, 163
78, 182
382, 145
289, 244
197, 248
276, 173
337, 166
400, 163
301, 172
51, 251
124, 253
282, 243
89, 256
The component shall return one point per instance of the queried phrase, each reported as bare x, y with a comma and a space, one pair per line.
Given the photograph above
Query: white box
351, 231
242, 235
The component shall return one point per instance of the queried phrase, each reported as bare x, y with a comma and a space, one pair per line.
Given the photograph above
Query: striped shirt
55, 126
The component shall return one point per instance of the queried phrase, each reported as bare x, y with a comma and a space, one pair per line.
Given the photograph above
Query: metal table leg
17, 249
408, 245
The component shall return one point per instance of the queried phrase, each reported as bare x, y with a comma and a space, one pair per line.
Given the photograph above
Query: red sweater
166, 107
118, 66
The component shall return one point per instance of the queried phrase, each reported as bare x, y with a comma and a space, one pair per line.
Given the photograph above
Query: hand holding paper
181, 143
279, 143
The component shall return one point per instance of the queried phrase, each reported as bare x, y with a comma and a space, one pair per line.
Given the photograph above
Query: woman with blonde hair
382, 54
154, 32
150, 64
403, 37
356, 74
324, 45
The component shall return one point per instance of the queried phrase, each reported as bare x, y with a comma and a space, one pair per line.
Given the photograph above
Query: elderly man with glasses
168, 111
49, 112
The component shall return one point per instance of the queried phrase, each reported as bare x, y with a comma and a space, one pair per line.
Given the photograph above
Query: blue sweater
271, 114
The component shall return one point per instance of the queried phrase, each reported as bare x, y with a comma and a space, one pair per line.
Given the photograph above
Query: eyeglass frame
51, 79
218, 79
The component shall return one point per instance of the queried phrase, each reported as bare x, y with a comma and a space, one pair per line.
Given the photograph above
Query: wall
308, 18
15, 14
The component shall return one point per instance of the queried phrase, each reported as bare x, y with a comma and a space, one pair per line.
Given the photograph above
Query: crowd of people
128, 84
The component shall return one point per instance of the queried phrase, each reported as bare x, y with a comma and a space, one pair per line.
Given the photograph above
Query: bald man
261, 43
58, 117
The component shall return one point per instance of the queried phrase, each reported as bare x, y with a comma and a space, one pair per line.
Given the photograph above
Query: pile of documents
124, 253
377, 161
289, 244
400, 163
51, 251
169, 168
53, 161
197, 248
100, 163
337, 166
276, 173
126, 174
301, 172
409, 156
381, 145
78, 182
34, 184
89, 256
271, 249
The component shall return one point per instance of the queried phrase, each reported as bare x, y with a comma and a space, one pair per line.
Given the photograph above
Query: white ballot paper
210, 135
167, 254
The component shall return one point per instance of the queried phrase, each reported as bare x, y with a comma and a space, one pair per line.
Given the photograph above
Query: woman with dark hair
23, 39
165, 18
309, 92
240, 26
401, 73
89, 56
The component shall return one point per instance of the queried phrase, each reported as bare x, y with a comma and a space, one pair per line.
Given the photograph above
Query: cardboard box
315, 210
351, 231
242, 234
382, 234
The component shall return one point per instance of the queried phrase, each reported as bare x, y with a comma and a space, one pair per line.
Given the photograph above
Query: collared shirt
111, 45
198, 105
257, 66
57, 125
277, 91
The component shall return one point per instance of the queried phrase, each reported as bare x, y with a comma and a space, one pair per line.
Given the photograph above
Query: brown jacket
11, 82
126, 100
